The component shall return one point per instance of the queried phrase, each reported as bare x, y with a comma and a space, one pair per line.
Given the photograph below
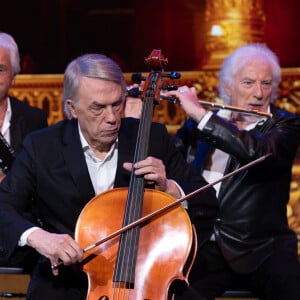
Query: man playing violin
252, 246
66, 165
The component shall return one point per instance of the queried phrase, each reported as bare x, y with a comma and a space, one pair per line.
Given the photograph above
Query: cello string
136, 207
129, 240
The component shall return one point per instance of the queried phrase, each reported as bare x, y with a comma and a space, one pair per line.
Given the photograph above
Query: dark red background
51, 33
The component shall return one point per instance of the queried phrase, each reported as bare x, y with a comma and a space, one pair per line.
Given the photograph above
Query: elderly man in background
17, 118
252, 246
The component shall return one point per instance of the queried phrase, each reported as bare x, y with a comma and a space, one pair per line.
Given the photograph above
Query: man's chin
109, 140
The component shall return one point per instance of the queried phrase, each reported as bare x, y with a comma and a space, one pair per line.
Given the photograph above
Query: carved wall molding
45, 91
293, 207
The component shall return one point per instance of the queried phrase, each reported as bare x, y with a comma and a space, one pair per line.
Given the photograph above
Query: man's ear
13, 80
227, 89
71, 107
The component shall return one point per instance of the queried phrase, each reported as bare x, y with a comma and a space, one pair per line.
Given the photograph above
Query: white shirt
102, 172
5, 130
218, 157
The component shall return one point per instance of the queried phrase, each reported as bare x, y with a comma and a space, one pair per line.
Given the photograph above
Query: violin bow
175, 203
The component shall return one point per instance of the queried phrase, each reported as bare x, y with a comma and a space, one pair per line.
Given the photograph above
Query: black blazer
253, 217
24, 119
52, 169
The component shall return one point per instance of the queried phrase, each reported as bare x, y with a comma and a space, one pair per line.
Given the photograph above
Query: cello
144, 261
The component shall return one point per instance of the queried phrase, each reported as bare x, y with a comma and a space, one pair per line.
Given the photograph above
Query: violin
142, 261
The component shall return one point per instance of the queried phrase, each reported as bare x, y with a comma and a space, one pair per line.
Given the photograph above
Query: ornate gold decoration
230, 24
289, 91
293, 208
43, 91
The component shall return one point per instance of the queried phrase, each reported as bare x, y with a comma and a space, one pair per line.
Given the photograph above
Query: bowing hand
58, 248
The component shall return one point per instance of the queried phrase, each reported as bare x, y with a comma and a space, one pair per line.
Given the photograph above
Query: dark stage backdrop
51, 33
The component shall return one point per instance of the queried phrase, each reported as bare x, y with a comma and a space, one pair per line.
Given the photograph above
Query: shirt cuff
23, 239
182, 194
204, 120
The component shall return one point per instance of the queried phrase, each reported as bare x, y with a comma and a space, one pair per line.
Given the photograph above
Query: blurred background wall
195, 36
52, 32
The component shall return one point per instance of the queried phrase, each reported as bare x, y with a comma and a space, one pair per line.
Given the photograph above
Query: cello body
166, 247
142, 262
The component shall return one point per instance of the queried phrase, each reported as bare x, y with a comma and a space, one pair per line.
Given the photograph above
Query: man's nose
110, 114
258, 90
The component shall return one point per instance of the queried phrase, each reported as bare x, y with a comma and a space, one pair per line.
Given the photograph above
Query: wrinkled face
252, 86
98, 110
6, 74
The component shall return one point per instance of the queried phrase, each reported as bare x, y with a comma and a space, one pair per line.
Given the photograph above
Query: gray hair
242, 56
7, 42
90, 65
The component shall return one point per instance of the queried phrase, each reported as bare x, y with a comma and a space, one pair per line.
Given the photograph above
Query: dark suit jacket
253, 217
52, 169
24, 119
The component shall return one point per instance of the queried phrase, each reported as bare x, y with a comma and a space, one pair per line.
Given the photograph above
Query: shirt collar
7, 117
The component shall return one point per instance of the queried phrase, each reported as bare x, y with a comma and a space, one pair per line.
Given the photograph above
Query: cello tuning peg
169, 87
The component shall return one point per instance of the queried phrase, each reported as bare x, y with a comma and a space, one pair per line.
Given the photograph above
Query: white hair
242, 56
7, 42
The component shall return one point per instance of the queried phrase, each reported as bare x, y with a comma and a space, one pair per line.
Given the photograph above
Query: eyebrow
97, 104
252, 79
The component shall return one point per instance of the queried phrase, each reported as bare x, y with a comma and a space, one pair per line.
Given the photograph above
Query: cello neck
127, 252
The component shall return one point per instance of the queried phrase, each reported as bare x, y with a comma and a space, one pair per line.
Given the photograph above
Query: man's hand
59, 248
189, 102
154, 171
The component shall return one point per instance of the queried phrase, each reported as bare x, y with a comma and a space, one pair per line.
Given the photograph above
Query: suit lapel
75, 161
126, 140
232, 164
17, 124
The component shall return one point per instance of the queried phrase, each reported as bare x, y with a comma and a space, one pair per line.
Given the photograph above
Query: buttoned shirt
5, 130
218, 158
102, 172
